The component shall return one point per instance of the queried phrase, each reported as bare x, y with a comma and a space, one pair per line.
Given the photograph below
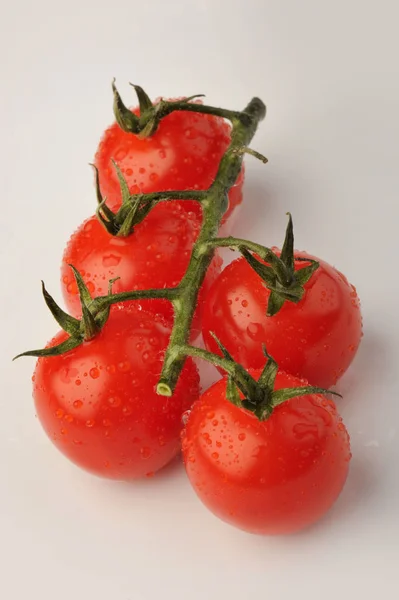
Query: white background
328, 72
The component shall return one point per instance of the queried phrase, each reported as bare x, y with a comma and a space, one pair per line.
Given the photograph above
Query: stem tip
163, 389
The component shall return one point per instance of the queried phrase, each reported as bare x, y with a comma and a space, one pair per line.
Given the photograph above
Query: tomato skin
183, 154
316, 339
155, 255
272, 477
98, 405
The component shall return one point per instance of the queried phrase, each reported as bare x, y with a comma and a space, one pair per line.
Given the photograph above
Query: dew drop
59, 413
94, 373
111, 260
72, 288
254, 329
90, 423
185, 416
114, 401
215, 455
241, 437
145, 452
120, 154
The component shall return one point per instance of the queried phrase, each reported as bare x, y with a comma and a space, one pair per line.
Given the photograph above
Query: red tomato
183, 154
315, 339
98, 403
267, 477
156, 255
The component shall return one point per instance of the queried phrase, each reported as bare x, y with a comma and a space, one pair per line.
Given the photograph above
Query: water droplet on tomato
77, 404
90, 423
111, 260
254, 330
124, 366
185, 416
241, 437
94, 373
72, 287
145, 452
154, 177
215, 455
68, 418
114, 401
244, 303
120, 154
129, 172
59, 413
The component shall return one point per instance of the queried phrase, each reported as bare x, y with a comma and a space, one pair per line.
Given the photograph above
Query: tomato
98, 404
316, 339
183, 154
155, 255
268, 477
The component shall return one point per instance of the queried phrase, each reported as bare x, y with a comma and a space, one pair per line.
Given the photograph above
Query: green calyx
79, 331
279, 275
133, 210
150, 114
134, 207
260, 397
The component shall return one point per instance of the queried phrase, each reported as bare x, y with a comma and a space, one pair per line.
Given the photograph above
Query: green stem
238, 243
101, 302
165, 108
213, 208
174, 195
234, 369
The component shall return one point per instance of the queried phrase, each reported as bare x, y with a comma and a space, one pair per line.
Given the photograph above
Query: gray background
328, 72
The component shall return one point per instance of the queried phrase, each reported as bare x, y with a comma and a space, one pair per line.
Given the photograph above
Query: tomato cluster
270, 465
